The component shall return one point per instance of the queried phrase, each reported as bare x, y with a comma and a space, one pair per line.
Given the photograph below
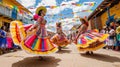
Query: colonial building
107, 11
12, 10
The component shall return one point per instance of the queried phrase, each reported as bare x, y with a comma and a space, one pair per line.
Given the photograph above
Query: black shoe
88, 53
91, 52
59, 48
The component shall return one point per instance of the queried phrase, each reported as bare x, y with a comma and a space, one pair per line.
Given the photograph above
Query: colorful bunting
52, 7
90, 3
75, 4
64, 4
78, 4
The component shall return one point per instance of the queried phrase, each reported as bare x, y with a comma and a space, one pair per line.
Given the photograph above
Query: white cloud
47, 3
68, 5
53, 11
68, 23
82, 7
27, 3
60, 8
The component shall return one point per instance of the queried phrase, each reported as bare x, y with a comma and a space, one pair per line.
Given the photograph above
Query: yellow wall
5, 20
7, 2
2, 20
113, 10
104, 17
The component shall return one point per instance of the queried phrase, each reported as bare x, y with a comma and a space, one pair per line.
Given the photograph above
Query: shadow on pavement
47, 61
63, 51
102, 57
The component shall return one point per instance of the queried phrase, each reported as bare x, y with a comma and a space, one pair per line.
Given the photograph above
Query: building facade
12, 10
103, 12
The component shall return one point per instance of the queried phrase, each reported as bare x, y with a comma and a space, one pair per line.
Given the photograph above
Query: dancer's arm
81, 30
3, 36
34, 27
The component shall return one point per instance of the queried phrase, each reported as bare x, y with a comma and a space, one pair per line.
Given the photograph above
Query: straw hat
82, 19
41, 8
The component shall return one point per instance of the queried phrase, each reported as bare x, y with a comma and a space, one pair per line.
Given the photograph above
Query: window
7, 25
7, 11
14, 13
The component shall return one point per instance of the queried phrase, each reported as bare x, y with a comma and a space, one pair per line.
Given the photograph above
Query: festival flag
52, 7
78, 4
92, 4
31, 8
73, 3
11, 6
21, 11
90, 11
63, 4
47, 6
60, 14
73, 13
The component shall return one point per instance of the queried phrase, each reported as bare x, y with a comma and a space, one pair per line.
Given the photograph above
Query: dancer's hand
30, 29
75, 41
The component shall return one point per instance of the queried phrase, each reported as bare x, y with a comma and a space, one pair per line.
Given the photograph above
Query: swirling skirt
62, 42
29, 41
91, 41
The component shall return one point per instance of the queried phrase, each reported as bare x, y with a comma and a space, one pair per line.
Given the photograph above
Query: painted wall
95, 23
101, 20
7, 2
114, 10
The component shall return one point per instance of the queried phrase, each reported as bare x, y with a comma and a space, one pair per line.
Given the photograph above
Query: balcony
19, 16
27, 20
5, 12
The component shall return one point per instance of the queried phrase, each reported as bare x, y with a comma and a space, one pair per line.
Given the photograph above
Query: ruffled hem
86, 39
17, 32
38, 52
87, 44
62, 43
92, 48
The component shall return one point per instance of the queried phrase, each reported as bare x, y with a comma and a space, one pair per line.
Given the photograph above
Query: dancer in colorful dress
34, 39
89, 41
60, 38
3, 42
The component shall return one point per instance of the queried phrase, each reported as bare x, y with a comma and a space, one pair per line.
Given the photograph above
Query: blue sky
62, 13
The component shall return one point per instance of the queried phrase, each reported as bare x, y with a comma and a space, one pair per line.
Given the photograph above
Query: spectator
3, 42
117, 44
105, 30
111, 40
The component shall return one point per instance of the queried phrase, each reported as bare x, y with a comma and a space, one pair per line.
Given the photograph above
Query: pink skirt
9, 42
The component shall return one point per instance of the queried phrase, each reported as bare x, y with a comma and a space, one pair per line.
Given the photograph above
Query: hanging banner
89, 3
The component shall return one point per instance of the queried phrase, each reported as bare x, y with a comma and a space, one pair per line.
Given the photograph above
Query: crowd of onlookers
6, 43
113, 41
